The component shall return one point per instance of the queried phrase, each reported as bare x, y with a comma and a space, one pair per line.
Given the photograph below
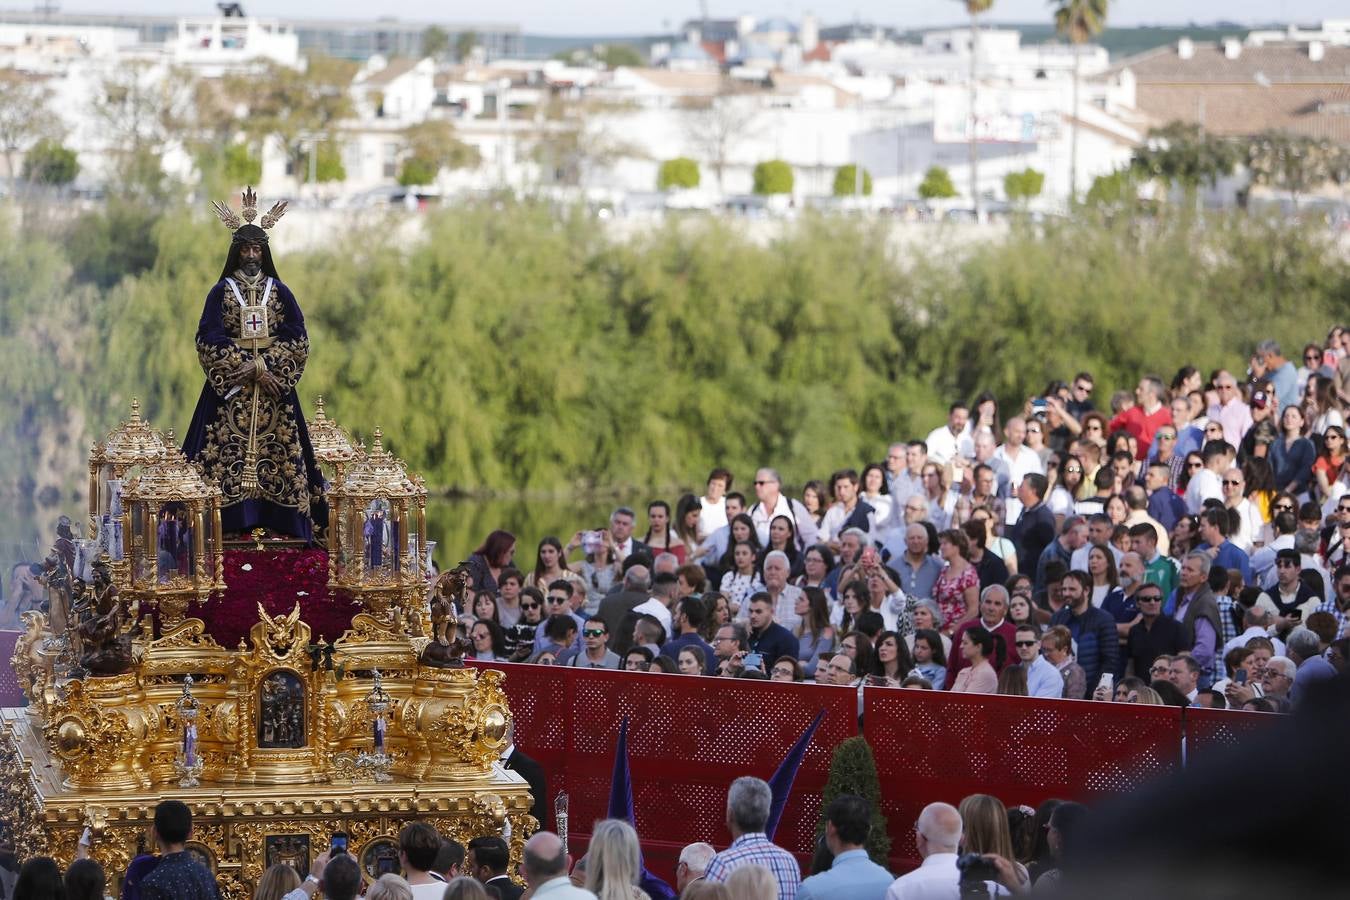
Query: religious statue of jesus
248, 432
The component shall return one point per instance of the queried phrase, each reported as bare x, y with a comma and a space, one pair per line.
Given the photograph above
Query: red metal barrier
1209, 731
942, 746
690, 737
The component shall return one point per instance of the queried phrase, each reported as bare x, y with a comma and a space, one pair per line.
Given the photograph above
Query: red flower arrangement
277, 579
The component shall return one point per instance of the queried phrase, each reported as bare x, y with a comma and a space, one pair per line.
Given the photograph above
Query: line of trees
508, 350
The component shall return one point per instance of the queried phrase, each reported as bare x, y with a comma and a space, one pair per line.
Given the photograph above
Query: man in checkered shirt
748, 803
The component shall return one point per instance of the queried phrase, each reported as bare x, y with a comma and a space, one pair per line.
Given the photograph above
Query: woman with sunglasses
1194, 463
1067, 485
1036, 440
1328, 465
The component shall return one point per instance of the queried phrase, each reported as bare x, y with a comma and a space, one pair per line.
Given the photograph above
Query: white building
216, 45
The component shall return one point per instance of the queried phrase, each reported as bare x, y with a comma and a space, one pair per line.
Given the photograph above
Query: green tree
1024, 185
1294, 163
24, 117
465, 42
296, 107
242, 165
1079, 21
846, 181
937, 184
853, 770
141, 111
1184, 154
1118, 189
680, 172
431, 146
48, 162
328, 165
773, 177
974, 8
611, 56
435, 42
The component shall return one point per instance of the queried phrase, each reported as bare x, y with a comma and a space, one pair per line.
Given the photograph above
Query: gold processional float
277, 743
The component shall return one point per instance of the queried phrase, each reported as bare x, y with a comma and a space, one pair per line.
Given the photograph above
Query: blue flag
621, 807
781, 782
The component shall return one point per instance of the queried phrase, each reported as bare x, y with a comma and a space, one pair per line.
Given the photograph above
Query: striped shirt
755, 849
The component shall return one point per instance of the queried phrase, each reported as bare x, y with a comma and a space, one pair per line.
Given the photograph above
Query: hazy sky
628, 17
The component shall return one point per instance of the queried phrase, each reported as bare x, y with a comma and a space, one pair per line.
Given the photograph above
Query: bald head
938, 829
545, 858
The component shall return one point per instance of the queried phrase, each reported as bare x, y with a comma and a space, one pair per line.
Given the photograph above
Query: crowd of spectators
980, 845
1184, 544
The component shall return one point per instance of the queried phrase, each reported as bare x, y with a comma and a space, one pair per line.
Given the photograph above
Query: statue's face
250, 258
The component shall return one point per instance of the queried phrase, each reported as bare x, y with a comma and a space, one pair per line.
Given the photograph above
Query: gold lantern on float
377, 534
171, 515
332, 447
124, 452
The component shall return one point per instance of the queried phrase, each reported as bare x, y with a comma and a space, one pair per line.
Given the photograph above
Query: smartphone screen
338, 844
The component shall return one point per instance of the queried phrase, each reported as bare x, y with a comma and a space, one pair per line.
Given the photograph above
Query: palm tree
974, 8
1079, 21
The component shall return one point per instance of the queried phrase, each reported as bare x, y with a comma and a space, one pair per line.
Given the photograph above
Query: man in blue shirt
1093, 629
1043, 679
1269, 361
689, 618
178, 876
1215, 526
852, 876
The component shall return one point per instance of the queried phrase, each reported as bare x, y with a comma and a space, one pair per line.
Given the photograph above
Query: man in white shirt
1257, 621
772, 504
1207, 482
841, 515
1019, 459
946, 441
1099, 532
937, 835
715, 544
544, 866
1250, 520
713, 511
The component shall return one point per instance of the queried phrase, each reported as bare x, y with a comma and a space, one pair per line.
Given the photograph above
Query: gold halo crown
236, 220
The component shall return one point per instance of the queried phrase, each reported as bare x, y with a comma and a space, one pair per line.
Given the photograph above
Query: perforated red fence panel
688, 739
1210, 731
942, 746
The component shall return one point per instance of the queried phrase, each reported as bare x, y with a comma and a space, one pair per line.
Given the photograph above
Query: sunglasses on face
1232, 483
594, 632
1149, 598
1026, 643
1194, 465
529, 606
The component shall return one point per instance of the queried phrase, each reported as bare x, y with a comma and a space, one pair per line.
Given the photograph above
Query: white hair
1284, 664
941, 827
697, 856
777, 555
